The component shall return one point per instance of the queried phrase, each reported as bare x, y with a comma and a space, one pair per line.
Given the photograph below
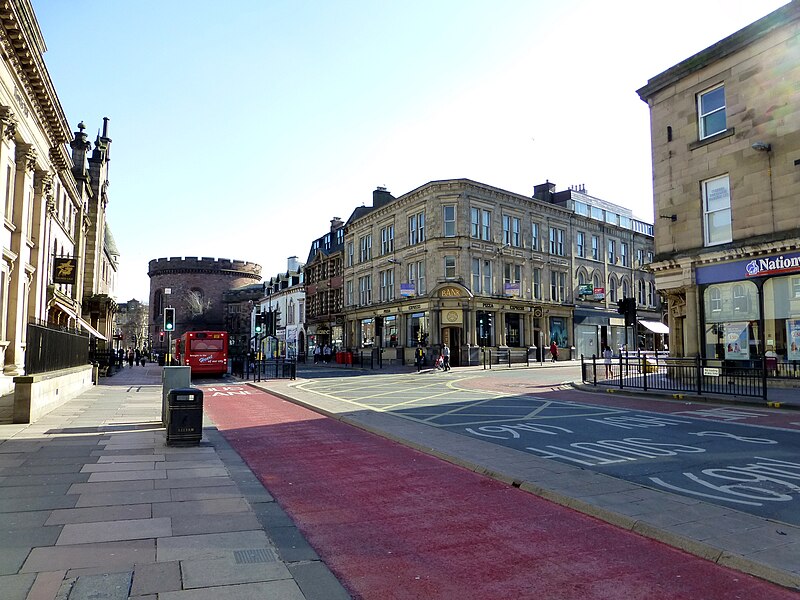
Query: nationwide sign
748, 269
772, 266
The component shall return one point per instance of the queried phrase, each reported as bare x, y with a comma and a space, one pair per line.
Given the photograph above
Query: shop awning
81, 322
91, 330
655, 326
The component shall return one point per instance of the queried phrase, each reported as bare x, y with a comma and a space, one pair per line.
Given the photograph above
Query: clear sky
241, 128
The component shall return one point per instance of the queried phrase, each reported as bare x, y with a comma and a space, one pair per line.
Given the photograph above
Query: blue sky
240, 129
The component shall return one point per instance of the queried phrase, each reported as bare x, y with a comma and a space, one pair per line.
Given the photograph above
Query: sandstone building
471, 265
58, 262
725, 129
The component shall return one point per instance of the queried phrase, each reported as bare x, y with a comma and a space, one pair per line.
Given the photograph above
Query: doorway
452, 337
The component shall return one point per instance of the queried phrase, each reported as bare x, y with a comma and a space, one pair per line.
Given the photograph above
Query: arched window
612, 289
626, 288
642, 293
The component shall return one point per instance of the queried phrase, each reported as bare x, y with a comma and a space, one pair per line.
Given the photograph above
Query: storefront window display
417, 329
782, 317
389, 337
367, 332
558, 331
732, 320
484, 322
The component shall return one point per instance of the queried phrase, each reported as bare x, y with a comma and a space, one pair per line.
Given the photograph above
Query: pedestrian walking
419, 357
131, 356
607, 356
553, 351
317, 353
326, 354
446, 357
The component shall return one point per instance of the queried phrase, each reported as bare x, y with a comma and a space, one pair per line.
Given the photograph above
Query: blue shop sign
747, 269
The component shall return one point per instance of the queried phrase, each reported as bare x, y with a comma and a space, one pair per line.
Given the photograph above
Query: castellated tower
194, 287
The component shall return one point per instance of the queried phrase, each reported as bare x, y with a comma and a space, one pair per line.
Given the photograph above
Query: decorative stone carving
9, 122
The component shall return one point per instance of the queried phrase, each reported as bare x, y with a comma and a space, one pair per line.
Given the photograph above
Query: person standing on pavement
607, 356
553, 351
446, 356
419, 355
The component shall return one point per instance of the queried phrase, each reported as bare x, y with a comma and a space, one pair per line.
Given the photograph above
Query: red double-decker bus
206, 352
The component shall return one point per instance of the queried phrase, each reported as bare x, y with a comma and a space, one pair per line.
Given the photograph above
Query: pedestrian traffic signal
169, 319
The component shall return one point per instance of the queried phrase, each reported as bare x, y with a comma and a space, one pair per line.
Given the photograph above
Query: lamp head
761, 147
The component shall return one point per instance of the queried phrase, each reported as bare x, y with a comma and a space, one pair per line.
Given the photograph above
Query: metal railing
273, 368
673, 374
50, 348
506, 357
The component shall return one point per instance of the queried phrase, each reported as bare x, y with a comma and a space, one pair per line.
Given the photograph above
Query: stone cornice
23, 45
731, 44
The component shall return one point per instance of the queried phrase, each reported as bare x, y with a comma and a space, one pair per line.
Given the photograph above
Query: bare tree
196, 305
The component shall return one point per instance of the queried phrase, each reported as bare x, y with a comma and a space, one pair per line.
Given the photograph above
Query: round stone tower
194, 287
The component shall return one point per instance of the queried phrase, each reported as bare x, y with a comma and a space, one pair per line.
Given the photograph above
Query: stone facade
286, 299
49, 211
725, 128
195, 288
471, 265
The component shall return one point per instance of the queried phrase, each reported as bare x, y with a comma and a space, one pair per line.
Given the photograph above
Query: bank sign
745, 269
773, 266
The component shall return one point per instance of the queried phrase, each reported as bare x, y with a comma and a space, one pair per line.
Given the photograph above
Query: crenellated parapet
206, 265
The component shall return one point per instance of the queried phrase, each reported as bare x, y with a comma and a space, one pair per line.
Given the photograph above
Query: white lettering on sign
756, 483
512, 431
608, 452
634, 421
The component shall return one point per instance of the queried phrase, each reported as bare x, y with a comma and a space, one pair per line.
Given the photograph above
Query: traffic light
259, 322
161, 336
169, 319
627, 307
269, 323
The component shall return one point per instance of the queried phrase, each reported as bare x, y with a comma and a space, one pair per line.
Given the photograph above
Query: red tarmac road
394, 523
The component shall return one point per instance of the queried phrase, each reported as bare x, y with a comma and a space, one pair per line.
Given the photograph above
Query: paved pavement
94, 505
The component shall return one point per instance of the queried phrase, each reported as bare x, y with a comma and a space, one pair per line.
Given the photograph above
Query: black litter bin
184, 417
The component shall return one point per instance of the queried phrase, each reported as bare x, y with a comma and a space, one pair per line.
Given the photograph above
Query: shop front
595, 329
750, 308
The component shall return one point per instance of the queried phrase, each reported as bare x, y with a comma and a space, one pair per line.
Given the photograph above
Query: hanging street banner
65, 270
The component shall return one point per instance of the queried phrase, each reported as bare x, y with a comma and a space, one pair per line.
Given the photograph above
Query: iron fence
51, 348
506, 357
673, 374
273, 368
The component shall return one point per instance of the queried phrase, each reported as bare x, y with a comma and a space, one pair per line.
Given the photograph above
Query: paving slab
156, 578
109, 586
126, 476
13, 505
317, 582
46, 585
108, 555
118, 498
205, 493
16, 587
201, 507
12, 558
192, 525
111, 486
33, 491
229, 571
291, 544
108, 531
283, 589
23, 520
193, 483
100, 513
210, 546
